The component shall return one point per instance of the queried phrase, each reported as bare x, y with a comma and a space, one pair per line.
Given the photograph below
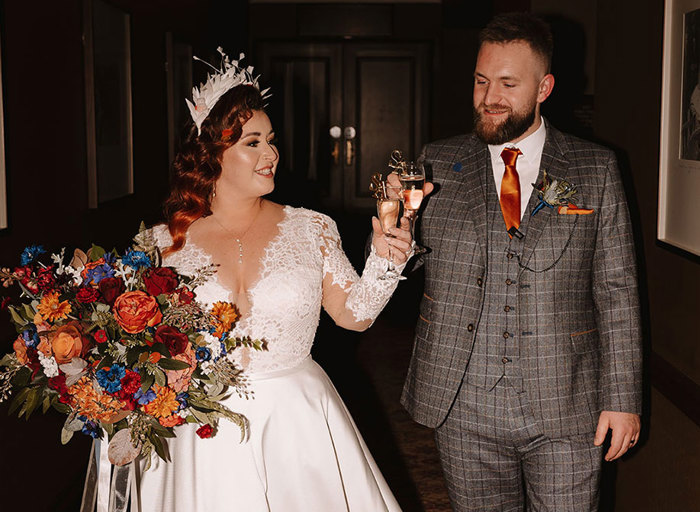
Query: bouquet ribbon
109, 490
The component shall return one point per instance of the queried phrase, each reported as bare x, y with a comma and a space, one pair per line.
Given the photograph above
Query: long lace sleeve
365, 296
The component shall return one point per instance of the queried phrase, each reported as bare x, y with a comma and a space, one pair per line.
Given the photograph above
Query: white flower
49, 365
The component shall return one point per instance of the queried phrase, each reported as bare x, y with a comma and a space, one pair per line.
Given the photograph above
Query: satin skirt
304, 453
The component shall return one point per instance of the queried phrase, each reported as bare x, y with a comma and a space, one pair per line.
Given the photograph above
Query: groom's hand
625, 428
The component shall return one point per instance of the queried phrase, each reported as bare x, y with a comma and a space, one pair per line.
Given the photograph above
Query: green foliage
172, 364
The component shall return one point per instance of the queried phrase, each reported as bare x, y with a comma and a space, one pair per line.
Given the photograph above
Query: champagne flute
412, 179
388, 213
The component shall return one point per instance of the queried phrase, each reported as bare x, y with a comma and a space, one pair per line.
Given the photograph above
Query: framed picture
3, 180
178, 57
679, 162
108, 102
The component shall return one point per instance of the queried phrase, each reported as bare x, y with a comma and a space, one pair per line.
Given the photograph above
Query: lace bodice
286, 299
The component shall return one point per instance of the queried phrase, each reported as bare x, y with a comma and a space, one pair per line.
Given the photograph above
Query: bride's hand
399, 246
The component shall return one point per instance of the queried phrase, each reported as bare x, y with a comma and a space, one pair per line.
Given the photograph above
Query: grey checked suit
572, 345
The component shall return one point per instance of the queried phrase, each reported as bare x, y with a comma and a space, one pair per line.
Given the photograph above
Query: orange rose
20, 350
134, 311
179, 380
44, 347
66, 342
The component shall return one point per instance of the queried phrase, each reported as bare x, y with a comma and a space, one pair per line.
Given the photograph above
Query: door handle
350, 134
335, 133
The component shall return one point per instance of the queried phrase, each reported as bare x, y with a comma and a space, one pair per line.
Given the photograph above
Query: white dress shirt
527, 165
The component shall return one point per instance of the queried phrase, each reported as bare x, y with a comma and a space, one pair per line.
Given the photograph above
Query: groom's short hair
520, 26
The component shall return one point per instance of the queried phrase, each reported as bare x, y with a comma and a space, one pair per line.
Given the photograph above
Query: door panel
386, 99
306, 101
376, 88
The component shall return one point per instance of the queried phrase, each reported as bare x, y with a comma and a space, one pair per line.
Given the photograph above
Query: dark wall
46, 168
662, 473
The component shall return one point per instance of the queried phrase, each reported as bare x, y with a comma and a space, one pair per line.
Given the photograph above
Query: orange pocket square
572, 209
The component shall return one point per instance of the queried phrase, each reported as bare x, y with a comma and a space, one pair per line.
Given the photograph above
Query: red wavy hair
197, 165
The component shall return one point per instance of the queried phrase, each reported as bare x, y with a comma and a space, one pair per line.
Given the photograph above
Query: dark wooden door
339, 109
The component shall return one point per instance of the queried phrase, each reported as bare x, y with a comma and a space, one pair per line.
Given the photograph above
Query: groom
527, 351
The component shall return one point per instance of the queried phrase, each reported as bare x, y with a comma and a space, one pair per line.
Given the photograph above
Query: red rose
169, 336
205, 431
86, 295
160, 280
100, 336
184, 295
111, 288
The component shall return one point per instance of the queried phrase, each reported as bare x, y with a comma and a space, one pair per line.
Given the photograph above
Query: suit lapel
474, 189
556, 164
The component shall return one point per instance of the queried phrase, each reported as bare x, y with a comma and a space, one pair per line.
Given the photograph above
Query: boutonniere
557, 192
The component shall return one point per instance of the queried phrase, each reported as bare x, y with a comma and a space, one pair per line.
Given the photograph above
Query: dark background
611, 95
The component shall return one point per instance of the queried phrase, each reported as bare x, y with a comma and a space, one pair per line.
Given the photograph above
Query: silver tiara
227, 77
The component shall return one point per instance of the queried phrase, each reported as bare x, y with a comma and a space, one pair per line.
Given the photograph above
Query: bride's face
248, 167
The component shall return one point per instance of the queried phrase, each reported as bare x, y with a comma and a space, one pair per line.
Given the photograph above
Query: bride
279, 265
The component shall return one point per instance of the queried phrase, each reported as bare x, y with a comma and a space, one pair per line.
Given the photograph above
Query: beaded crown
228, 76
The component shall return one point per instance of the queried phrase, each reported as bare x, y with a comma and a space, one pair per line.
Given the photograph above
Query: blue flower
30, 253
98, 273
182, 398
30, 336
110, 380
109, 258
136, 259
145, 398
202, 354
90, 428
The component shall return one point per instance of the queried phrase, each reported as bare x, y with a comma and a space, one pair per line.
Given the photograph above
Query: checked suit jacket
577, 288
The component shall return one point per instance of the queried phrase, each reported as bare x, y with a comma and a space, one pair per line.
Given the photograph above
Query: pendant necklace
239, 238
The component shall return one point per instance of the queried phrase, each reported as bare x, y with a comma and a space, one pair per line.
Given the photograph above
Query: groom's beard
514, 126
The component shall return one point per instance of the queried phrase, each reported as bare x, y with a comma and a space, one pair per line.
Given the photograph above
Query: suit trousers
496, 458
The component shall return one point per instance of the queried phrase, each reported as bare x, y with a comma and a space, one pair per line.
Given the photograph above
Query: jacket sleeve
616, 299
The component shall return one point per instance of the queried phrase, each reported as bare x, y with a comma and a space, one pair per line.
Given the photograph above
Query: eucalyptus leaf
9, 360
146, 382
159, 375
66, 435
16, 317
73, 424
96, 252
28, 312
33, 401
46, 404
19, 400
172, 364
62, 408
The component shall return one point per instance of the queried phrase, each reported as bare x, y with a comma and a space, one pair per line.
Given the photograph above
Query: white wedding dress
304, 452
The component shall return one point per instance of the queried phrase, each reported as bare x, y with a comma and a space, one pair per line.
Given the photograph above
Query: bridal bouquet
121, 346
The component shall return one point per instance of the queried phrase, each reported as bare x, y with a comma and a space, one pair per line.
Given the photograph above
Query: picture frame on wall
679, 162
108, 99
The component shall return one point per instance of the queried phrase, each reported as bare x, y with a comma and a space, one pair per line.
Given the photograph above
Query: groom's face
510, 82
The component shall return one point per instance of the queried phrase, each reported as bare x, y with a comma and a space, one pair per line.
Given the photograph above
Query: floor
369, 369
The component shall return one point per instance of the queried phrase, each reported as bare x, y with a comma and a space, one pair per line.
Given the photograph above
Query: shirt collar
531, 146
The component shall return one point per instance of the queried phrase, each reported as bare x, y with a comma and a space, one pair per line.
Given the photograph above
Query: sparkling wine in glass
412, 179
388, 210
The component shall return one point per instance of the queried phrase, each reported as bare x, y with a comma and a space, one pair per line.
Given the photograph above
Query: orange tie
510, 189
